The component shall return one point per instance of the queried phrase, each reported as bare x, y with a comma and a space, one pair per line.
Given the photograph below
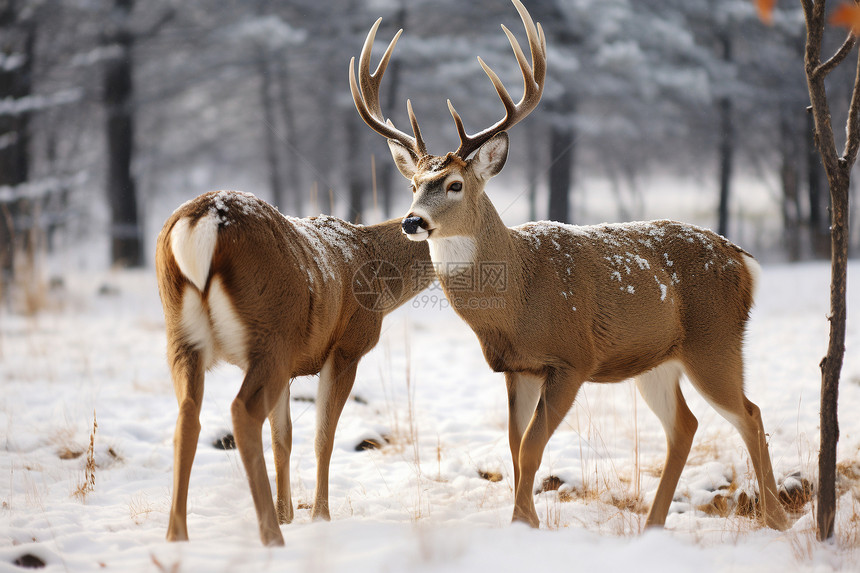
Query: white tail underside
214, 327
193, 247
755, 272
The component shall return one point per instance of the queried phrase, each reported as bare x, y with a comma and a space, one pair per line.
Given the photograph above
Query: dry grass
139, 509
66, 447
172, 568
803, 544
493, 476
439, 459
625, 517
848, 528
846, 534
29, 291
398, 437
723, 504
69, 453
632, 503
795, 492
371, 444
29, 288
403, 440
709, 448
848, 478
89, 483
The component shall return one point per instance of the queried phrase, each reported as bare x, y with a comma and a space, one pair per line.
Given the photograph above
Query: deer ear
404, 158
491, 157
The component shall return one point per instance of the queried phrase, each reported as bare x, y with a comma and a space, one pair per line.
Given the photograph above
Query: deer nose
415, 228
412, 225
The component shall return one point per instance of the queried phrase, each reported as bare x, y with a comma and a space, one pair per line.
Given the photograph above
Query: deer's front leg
557, 395
336, 380
282, 444
523, 394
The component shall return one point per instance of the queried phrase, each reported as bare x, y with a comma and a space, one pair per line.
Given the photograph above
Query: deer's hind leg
282, 444
188, 371
722, 385
261, 390
661, 390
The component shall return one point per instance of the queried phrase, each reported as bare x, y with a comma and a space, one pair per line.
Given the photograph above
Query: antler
366, 97
533, 78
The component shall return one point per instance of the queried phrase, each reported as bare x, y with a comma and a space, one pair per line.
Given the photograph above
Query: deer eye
455, 186
414, 189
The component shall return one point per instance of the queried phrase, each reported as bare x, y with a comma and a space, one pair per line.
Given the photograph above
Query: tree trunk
15, 83
291, 165
831, 364
562, 140
270, 133
819, 228
727, 142
790, 181
126, 228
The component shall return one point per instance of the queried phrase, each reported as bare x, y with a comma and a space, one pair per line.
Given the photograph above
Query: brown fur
294, 298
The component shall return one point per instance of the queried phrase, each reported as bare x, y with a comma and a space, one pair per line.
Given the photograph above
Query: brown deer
650, 300
279, 297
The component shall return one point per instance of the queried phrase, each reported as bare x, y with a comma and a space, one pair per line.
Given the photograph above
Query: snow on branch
97, 55
8, 139
11, 62
18, 106
32, 190
269, 31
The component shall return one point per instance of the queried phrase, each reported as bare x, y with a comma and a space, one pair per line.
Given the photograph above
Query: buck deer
279, 297
649, 300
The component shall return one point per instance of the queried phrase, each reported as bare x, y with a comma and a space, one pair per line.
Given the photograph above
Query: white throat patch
452, 255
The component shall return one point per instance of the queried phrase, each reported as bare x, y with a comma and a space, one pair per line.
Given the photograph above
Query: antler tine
533, 80
537, 42
461, 131
365, 94
369, 82
419, 141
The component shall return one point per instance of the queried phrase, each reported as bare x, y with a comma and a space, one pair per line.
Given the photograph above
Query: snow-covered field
419, 503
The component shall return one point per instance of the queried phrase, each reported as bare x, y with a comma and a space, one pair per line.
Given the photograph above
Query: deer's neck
480, 264
410, 259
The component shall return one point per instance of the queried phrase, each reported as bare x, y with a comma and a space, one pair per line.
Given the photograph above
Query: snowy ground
420, 502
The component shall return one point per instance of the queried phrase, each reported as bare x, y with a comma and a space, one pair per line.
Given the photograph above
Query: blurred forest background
112, 111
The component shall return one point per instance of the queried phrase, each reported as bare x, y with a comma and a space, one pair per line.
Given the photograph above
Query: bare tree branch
838, 57
814, 33
824, 139
153, 29
852, 141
